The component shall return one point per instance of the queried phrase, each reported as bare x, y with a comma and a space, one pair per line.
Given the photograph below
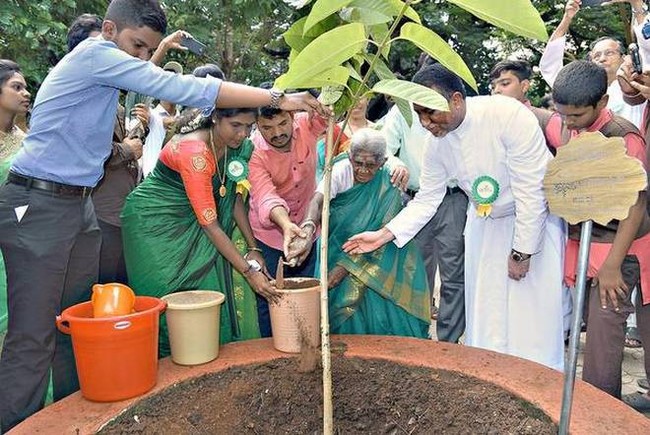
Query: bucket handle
62, 325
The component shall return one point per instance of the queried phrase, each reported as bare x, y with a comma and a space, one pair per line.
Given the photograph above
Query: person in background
605, 51
14, 101
162, 120
52, 267
385, 293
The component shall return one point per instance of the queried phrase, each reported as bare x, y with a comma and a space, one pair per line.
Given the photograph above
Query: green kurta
167, 251
386, 291
9, 146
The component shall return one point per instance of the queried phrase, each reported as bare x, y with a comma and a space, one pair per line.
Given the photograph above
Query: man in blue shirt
48, 229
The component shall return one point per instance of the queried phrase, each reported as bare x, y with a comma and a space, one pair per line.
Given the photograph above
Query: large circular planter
594, 412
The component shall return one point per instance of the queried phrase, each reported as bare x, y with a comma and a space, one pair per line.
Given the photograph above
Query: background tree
244, 36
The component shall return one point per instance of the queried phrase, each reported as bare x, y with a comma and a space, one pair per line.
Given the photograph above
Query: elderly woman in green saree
384, 292
178, 225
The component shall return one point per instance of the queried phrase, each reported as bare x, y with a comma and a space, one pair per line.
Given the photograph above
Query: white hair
368, 140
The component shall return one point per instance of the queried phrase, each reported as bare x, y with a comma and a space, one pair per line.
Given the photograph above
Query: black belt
49, 186
450, 190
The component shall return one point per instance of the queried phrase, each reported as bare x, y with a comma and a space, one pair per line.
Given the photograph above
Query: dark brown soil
370, 396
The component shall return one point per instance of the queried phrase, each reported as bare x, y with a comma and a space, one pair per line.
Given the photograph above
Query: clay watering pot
112, 300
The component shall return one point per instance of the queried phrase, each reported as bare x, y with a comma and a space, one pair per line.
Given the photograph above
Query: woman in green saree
384, 292
14, 101
177, 225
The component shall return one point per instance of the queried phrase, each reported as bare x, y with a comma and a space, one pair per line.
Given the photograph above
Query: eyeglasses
606, 53
370, 166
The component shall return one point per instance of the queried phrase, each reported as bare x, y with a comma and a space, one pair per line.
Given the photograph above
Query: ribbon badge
485, 190
237, 171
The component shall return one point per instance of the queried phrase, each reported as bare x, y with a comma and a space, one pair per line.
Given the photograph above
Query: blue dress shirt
74, 112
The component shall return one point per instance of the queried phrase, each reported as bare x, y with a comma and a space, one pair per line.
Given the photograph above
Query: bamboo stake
328, 426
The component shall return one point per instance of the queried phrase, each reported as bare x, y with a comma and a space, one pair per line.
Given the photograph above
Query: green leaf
379, 33
386, 7
368, 17
353, 71
405, 109
436, 47
295, 38
331, 94
321, 10
327, 51
381, 69
518, 16
417, 94
337, 76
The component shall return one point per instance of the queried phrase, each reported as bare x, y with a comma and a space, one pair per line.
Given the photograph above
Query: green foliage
367, 30
33, 33
517, 16
245, 36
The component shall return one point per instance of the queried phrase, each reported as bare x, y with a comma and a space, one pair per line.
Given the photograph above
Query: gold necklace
222, 175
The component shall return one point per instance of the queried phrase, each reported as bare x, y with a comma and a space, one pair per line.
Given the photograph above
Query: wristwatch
519, 256
276, 97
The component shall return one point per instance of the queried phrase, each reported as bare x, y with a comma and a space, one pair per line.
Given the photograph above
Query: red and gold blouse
196, 164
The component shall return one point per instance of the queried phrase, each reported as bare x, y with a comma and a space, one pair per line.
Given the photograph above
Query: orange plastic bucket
117, 357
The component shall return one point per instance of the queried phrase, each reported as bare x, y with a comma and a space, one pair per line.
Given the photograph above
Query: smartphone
193, 45
592, 3
637, 65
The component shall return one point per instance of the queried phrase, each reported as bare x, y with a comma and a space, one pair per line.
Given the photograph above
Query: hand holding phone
193, 45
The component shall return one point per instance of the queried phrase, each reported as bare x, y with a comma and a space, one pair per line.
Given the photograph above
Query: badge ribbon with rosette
485, 190
237, 171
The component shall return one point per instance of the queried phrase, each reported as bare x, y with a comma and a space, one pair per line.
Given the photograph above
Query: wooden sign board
592, 178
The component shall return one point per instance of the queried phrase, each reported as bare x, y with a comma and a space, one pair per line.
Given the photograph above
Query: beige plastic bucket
193, 323
295, 320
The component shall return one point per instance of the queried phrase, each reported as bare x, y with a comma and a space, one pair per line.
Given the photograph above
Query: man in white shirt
495, 149
605, 51
441, 240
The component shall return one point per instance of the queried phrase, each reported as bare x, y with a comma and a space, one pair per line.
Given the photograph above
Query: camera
637, 65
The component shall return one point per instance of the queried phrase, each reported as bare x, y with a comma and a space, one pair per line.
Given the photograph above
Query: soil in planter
370, 396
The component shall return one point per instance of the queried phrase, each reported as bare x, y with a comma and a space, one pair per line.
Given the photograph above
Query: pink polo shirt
286, 179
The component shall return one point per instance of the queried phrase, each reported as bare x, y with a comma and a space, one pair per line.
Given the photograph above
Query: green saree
386, 291
167, 251
9, 146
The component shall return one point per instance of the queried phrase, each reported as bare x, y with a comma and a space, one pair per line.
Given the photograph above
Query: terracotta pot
594, 412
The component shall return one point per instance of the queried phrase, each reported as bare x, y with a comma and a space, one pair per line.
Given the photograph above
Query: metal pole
576, 321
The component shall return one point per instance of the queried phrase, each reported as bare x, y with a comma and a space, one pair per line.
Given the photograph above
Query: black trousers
52, 259
112, 267
442, 245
